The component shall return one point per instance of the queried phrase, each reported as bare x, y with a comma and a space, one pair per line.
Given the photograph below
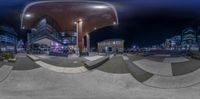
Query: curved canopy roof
93, 14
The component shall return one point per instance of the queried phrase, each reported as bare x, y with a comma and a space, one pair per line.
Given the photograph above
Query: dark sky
142, 22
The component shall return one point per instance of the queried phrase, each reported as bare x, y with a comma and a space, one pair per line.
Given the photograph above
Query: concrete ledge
5, 70
13, 59
71, 70
111, 56
94, 64
93, 58
34, 58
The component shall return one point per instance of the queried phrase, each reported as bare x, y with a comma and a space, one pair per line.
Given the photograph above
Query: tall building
189, 39
43, 30
198, 39
173, 43
8, 39
44, 37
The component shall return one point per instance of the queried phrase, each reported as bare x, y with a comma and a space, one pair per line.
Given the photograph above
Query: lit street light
28, 15
100, 7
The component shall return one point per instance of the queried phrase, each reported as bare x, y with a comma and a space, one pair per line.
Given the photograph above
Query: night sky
142, 22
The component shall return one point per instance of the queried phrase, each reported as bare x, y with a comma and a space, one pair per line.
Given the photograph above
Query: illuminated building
44, 36
198, 39
111, 45
189, 39
82, 17
173, 43
8, 39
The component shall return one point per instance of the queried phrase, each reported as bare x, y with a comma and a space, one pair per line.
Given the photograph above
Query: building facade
44, 37
8, 39
173, 43
189, 39
111, 45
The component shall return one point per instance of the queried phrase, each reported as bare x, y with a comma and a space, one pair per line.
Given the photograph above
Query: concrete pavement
158, 68
41, 83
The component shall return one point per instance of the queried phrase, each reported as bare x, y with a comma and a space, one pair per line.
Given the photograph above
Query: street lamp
100, 7
114, 23
28, 15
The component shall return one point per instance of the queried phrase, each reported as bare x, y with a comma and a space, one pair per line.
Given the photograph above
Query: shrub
6, 55
195, 55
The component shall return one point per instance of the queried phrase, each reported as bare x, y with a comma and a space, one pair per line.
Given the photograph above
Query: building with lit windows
8, 39
189, 39
198, 39
44, 37
111, 45
173, 43
72, 16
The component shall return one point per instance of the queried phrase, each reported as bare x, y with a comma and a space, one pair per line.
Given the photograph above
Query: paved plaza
114, 79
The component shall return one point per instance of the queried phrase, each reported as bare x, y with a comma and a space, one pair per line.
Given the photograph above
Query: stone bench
12, 59
32, 57
94, 64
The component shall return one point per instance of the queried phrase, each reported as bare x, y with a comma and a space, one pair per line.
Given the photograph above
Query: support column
79, 25
88, 42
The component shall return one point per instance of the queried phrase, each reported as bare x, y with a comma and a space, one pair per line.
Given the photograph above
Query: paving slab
157, 68
175, 60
